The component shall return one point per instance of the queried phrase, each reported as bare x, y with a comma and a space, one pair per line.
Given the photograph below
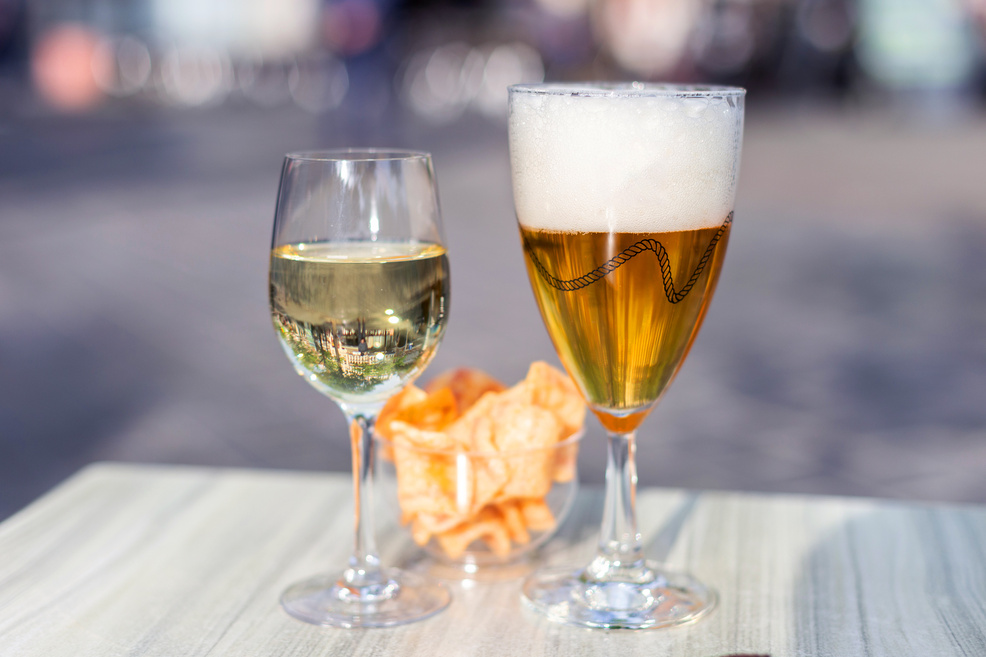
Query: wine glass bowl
359, 288
359, 320
358, 272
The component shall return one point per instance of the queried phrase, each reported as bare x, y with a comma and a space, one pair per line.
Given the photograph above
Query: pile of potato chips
475, 460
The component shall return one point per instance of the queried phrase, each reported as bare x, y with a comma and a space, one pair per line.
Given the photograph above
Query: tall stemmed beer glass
624, 196
359, 291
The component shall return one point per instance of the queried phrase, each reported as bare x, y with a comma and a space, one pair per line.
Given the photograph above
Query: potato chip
513, 520
420, 532
435, 413
566, 462
425, 525
487, 526
474, 432
410, 436
553, 390
391, 411
466, 384
537, 516
417, 497
530, 432
426, 481
432, 412
498, 541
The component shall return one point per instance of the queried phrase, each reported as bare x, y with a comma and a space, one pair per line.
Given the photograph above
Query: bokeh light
128, 66
195, 75
318, 83
66, 63
647, 37
441, 83
350, 27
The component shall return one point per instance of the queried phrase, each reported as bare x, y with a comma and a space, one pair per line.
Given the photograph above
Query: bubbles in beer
622, 161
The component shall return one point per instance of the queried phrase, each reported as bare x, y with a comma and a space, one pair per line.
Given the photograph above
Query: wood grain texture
147, 561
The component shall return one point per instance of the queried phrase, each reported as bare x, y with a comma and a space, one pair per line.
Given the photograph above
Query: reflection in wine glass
359, 289
624, 196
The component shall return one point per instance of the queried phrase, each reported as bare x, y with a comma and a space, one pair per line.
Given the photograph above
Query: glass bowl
470, 508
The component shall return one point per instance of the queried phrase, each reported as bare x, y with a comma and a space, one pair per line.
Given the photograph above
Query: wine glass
359, 293
624, 196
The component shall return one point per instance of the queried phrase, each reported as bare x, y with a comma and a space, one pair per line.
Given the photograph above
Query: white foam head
636, 158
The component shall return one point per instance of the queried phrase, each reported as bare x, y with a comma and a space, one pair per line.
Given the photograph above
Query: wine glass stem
620, 556
364, 564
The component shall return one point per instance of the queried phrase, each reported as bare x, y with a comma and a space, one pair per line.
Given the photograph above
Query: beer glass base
403, 598
670, 599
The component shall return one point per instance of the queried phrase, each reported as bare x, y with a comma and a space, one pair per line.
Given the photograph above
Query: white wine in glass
360, 318
624, 196
359, 293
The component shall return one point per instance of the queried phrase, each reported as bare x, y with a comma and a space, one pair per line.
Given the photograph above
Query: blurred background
141, 142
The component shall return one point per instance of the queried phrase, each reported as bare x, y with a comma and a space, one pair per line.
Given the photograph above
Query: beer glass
359, 289
624, 196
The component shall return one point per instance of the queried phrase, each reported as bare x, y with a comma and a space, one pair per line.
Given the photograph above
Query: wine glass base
403, 598
668, 600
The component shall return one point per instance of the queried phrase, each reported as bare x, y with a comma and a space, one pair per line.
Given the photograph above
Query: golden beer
622, 329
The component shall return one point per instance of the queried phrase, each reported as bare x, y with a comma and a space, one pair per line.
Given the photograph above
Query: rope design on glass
597, 274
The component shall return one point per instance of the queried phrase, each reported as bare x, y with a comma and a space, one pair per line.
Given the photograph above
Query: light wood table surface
182, 562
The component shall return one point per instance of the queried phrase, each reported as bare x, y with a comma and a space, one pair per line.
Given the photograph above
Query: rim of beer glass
357, 155
628, 89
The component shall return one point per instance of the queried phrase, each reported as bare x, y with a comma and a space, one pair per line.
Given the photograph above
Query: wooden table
180, 562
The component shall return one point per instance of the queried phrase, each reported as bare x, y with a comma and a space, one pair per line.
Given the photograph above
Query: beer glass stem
620, 557
363, 580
